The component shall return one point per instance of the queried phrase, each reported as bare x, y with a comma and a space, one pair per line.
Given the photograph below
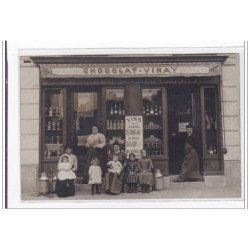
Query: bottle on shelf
58, 139
108, 126
49, 126
115, 125
152, 112
147, 110
49, 153
111, 110
156, 110
50, 111
215, 150
58, 124
52, 139
45, 111
122, 124
144, 110
57, 111
160, 110
120, 110
118, 124
115, 109
210, 150
53, 125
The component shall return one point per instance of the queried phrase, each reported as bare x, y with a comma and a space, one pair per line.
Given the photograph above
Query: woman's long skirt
65, 188
146, 178
112, 183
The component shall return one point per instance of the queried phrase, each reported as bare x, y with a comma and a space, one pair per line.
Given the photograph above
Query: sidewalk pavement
169, 193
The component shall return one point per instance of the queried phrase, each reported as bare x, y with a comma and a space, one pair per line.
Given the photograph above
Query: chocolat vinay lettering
128, 70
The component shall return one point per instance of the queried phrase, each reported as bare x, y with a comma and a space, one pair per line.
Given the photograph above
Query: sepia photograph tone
130, 127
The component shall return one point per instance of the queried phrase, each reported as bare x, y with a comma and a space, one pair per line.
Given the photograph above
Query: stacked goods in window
152, 121
115, 116
53, 125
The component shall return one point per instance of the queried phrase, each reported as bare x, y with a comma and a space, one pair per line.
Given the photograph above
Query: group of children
135, 172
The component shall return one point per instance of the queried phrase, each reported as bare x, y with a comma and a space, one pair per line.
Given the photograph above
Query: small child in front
95, 176
114, 166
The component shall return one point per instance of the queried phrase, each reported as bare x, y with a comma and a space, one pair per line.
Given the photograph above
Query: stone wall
29, 119
230, 94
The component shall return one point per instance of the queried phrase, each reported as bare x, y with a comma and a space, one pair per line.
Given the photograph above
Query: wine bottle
58, 125
120, 110
53, 125
115, 125
49, 126
122, 124
110, 124
156, 110
50, 111
160, 110
111, 110
152, 112
115, 110
147, 110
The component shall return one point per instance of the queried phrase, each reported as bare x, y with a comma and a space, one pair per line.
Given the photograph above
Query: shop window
211, 126
85, 117
115, 113
53, 124
152, 121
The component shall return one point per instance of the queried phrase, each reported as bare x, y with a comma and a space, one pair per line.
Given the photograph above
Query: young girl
65, 182
146, 175
95, 176
132, 169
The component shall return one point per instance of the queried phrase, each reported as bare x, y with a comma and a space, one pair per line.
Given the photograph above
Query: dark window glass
210, 121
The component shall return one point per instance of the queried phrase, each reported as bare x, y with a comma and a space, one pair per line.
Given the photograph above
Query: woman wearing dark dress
191, 163
113, 182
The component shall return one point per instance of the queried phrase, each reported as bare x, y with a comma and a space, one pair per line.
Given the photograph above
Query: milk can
158, 184
43, 184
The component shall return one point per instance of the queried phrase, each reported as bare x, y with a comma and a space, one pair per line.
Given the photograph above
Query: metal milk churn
158, 184
43, 184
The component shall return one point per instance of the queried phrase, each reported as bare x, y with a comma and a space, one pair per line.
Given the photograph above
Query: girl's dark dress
132, 169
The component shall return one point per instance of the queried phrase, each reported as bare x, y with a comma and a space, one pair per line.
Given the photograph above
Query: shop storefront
162, 94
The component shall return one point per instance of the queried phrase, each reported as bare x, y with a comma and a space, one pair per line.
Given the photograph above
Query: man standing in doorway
191, 162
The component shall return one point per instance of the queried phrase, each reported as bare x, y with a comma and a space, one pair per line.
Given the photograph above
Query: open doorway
183, 110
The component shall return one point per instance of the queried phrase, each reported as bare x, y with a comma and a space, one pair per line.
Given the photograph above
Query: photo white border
16, 49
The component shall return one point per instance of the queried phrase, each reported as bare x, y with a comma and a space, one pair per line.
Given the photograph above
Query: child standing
65, 182
146, 172
95, 176
132, 170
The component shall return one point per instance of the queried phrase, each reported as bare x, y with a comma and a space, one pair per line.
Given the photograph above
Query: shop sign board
129, 70
133, 135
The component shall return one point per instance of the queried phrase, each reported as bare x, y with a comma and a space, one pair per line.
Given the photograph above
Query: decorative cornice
128, 58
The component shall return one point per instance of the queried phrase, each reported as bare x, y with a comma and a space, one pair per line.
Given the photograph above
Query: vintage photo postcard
158, 127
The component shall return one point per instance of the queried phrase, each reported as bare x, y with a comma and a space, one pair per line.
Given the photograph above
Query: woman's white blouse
98, 140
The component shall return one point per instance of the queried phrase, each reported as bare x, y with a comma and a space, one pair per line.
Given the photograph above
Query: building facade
62, 97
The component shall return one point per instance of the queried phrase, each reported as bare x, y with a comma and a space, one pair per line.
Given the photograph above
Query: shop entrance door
183, 110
